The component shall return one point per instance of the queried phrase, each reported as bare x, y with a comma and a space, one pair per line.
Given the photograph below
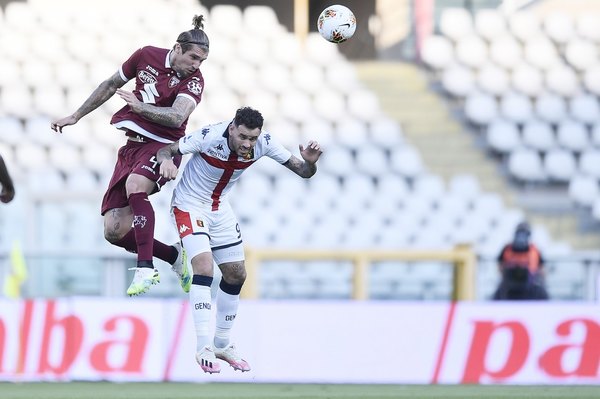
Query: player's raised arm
307, 166
98, 97
173, 116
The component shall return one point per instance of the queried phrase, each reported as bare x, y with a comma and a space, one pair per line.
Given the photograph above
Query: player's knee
112, 236
235, 273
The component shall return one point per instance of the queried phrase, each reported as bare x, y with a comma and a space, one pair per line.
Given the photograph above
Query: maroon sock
160, 250
127, 242
143, 225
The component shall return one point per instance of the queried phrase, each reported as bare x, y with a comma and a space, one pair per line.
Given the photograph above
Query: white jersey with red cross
213, 169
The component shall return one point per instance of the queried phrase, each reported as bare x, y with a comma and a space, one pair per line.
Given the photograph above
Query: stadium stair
427, 123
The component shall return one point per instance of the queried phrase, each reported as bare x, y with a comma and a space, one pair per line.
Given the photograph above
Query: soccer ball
336, 23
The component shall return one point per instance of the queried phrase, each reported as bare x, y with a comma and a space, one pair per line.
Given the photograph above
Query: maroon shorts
138, 158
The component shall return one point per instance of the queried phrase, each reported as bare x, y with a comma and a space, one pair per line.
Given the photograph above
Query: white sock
201, 305
227, 306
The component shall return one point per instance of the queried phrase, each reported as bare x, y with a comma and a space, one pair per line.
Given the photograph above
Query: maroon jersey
156, 83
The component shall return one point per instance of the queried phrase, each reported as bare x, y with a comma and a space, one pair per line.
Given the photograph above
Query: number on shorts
154, 161
237, 228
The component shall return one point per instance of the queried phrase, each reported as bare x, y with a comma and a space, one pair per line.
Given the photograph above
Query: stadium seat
560, 165
465, 186
538, 135
330, 104
572, 135
309, 77
407, 162
480, 108
524, 25
591, 79
589, 163
506, 51
337, 161
458, 80
64, 157
261, 21
252, 50
295, 105
437, 52
372, 160
352, 133
240, 76
320, 51
490, 24
386, 133
562, 80
581, 54
364, 104
526, 166
429, 188
493, 79
503, 136
456, 23
550, 107
516, 107
226, 20
595, 135
471, 51
585, 108
541, 52
588, 26
584, 190
559, 27
596, 209
527, 79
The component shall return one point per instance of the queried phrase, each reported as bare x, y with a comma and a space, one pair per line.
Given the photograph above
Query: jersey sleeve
129, 68
193, 89
193, 142
274, 149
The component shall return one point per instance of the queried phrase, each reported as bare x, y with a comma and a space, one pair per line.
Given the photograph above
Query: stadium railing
462, 257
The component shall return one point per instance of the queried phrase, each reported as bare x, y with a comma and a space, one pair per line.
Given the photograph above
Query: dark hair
248, 117
194, 36
521, 240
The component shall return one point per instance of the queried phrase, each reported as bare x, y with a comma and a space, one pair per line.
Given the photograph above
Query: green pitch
102, 390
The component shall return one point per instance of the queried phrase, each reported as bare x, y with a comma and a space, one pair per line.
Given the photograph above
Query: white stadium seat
407, 162
372, 160
465, 186
584, 190
506, 51
538, 135
458, 80
559, 27
572, 135
526, 165
493, 79
527, 79
588, 26
589, 163
541, 52
456, 23
562, 80
481, 108
591, 79
560, 165
550, 107
437, 52
490, 23
516, 107
585, 108
524, 25
595, 135
472, 51
503, 136
581, 54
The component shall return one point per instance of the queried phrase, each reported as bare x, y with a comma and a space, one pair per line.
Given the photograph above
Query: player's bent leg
207, 360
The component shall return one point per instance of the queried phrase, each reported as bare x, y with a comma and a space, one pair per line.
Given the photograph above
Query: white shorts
203, 230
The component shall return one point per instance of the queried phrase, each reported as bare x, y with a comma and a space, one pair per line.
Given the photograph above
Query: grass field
102, 390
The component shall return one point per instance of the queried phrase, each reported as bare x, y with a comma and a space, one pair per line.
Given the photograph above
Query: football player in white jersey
207, 225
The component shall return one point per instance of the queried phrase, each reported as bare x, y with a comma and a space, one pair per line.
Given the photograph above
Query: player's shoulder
266, 138
212, 131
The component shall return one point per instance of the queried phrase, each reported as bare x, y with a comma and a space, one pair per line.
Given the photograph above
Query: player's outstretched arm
98, 97
164, 156
172, 116
307, 166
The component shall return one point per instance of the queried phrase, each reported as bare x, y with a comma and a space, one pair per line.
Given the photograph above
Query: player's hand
7, 194
131, 100
58, 125
168, 170
311, 153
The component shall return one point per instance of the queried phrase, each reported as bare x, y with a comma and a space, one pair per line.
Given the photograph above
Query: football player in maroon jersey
168, 87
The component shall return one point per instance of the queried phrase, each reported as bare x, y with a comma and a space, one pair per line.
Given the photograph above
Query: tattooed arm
306, 167
164, 156
98, 97
172, 116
